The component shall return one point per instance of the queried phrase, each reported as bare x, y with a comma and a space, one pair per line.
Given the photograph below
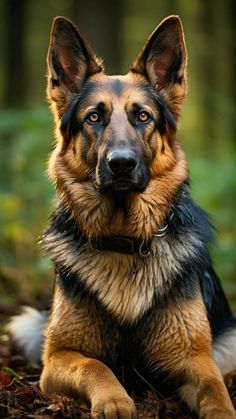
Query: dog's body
136, 297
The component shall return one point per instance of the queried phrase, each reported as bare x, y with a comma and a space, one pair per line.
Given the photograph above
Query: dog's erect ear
70, 62
163, 62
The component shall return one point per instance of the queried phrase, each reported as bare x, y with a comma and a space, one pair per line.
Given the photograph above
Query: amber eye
93, 117
143, 116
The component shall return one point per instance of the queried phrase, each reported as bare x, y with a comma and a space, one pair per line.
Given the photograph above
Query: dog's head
116, 133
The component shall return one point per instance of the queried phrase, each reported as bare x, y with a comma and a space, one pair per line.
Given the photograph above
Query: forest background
116, 30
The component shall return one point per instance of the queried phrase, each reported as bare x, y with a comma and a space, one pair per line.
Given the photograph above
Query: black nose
122, 161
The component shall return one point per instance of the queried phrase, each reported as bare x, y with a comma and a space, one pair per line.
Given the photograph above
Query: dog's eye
93, 118
143, 116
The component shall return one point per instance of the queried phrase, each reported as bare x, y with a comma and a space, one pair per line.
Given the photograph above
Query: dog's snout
121, 161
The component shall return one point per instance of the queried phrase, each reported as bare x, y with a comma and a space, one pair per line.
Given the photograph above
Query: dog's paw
121, 407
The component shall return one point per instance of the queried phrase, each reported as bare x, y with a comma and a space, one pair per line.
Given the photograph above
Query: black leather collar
125, 245
63, 223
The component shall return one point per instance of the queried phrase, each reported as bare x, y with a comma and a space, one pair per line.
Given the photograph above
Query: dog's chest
127, 285
123, 284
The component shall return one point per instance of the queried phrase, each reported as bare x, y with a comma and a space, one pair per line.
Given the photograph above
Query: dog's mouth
121, 184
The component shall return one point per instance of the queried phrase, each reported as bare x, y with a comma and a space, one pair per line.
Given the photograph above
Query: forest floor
20, 397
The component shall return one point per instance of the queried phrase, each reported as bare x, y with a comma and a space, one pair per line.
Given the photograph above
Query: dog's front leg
180, 343
204, 390
207, 387
74, 375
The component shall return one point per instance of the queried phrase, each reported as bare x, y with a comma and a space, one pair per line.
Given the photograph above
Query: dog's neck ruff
127, 285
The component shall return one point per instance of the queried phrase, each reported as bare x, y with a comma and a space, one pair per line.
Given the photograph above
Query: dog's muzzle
122, 162
122, 169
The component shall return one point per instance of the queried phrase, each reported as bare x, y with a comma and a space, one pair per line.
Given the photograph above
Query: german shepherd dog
136, 298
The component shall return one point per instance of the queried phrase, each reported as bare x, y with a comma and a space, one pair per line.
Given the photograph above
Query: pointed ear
70, 62
163, 62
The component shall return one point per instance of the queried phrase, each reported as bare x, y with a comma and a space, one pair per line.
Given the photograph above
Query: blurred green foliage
214, 188
26, 137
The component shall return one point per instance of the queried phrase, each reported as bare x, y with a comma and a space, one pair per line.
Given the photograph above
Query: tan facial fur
123, 305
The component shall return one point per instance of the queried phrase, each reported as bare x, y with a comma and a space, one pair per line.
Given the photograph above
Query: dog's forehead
119, 88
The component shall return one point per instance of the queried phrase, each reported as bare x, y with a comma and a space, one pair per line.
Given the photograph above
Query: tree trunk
15, 67
99, 23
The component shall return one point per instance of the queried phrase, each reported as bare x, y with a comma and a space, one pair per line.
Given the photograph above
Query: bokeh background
117, 30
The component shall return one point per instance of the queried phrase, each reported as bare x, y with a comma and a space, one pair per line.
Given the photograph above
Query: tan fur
177, 338
68, 371
77, 376
85, 332
184, 347
164, 159
127, 284
96, 213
